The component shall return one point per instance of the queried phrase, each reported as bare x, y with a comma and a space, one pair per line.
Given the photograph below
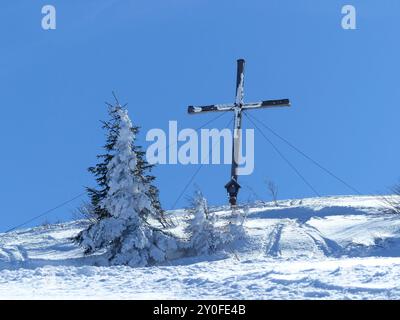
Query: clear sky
160, 56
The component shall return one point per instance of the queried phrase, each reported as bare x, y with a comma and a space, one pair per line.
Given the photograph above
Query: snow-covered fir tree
142, 169
205, 236
124, 201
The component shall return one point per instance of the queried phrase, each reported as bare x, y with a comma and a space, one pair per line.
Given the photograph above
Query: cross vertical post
232, 187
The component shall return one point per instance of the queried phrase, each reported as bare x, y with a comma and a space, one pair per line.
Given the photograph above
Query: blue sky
160, 56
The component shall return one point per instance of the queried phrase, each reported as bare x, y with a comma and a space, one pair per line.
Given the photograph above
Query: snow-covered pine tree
124, 200
205, 236
142, 170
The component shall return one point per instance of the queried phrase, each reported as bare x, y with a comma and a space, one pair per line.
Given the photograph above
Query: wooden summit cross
232, 187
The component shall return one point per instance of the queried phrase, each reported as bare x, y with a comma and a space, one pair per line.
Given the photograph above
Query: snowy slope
322, 248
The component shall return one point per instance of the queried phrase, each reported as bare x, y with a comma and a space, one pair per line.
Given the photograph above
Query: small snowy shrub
391, 203
205, 236
236, 225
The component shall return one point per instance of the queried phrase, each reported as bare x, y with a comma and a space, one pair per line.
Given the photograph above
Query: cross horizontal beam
231, 107
211, 108
267, 104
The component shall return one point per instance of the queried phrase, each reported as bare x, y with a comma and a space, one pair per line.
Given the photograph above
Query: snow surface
321, 248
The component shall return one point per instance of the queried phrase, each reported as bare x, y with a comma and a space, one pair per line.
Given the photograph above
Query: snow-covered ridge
333, 247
